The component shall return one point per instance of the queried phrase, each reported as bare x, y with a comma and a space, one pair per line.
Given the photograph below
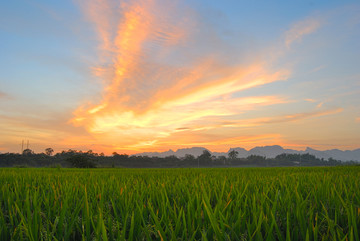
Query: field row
180, 204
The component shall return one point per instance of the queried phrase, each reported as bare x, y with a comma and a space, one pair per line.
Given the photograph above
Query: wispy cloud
320, 105
167, 74
166, 81
300, 29
300, 116
273, 120
3, 95
317, 69
153, 84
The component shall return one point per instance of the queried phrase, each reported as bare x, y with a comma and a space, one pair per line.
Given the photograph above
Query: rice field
318, 203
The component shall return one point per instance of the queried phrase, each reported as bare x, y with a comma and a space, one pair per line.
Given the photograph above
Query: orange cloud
149, 95
98, 12
168, 81
243, 123
300, 29
296, 117
135, 94
4, 95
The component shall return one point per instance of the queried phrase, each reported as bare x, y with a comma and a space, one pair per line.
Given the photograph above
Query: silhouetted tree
189, 157
222, 159
255, 159
121, 156
84, 159
204, 158
206, 154
27, 152
188, 160
80, 161
172, 159
233, 154
49, 151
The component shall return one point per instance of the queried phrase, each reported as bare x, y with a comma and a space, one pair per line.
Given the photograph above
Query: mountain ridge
267, 151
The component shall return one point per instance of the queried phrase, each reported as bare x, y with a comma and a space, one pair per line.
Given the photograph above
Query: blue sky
152, 75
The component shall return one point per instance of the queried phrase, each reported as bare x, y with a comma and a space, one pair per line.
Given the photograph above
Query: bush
80, 161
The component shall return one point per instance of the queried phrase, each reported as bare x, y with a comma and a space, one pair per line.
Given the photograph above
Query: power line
22, 145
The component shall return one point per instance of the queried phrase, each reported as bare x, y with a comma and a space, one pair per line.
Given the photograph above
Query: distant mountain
195, 151
242, 152
157, 154
267, 151
336, 154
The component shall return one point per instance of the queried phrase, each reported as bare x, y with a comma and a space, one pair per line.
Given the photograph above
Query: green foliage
205, 158
27, 152
31, 159
256, 159
49, 151
189, 158
180, 204
233, 154
205, 155
80, 161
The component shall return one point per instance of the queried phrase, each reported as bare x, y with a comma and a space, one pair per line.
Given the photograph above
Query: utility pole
22, 146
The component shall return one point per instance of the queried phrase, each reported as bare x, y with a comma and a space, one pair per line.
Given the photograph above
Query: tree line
90, 159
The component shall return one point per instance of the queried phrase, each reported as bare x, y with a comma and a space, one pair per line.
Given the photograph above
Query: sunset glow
153, 75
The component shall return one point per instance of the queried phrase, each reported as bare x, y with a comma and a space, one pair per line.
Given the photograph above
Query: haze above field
143, 76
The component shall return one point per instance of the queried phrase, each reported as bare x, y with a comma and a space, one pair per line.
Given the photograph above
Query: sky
153, 75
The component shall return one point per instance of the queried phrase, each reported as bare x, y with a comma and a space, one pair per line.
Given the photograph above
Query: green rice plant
321, 203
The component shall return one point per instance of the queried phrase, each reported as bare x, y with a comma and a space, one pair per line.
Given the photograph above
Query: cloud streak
3, 95
153, 84
166, 81
301, 29
170, 74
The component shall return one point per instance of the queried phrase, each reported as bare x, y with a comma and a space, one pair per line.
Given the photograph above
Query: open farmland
318, 203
